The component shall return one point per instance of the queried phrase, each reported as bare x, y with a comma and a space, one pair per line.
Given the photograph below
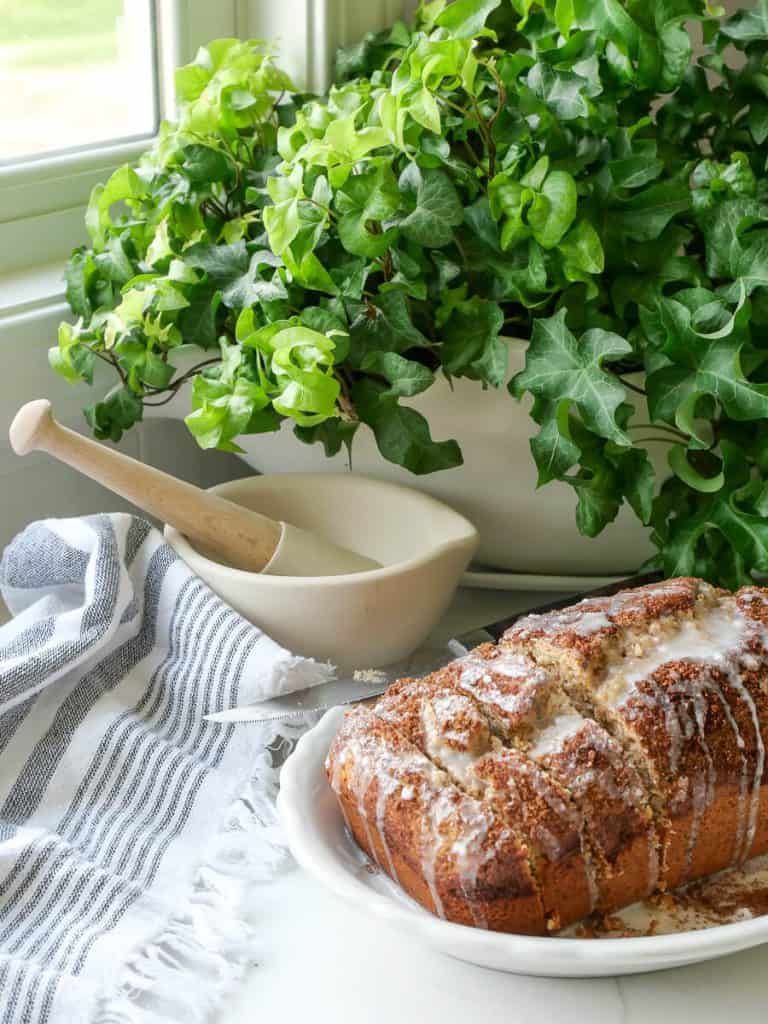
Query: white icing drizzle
384, 793
715, 633
572, 620
370, 760
430, 847
477, 678
467, 848
438, 803
742, 820
710, 772
682, 730
639, 596
362, 775
470, 856
551, 738
754, 807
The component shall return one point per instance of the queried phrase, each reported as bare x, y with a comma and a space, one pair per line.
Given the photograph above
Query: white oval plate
321, 844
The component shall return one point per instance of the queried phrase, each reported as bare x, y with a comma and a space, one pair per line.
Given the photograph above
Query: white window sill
25, 291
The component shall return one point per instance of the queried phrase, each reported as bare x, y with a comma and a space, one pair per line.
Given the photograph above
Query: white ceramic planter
522, 529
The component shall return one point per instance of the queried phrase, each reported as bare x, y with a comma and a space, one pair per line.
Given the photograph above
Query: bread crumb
372, 676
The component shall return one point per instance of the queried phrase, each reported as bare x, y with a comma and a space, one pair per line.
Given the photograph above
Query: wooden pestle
228, 532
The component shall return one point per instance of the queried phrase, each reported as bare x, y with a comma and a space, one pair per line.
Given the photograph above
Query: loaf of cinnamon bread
593, 756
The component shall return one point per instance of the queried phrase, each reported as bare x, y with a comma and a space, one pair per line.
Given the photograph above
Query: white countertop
326, 964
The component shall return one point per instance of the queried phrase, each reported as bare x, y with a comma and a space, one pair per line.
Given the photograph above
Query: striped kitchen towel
130, 828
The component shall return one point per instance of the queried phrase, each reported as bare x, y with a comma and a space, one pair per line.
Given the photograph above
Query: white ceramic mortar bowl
362, 620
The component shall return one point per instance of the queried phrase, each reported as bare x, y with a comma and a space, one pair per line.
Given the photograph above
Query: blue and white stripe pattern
112, 785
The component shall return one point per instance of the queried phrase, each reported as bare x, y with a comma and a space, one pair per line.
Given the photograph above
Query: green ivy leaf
405, 377
224, 410
384, 326
471, 344
281, 219
79, 272
681, 467
644, 216
351, 143
203, 165
559, 367
333, 434
750, 25
308, 398
464, 19
237, 274
364, 202
554, 450
114, 261
70, 357
757, 119
702, 366
725, 514
402, 434
752, 262
638, 167
124, 186
582, 252
562, 92
118, 412
553, 210
198, 322
638, 482
564, 16
434, 207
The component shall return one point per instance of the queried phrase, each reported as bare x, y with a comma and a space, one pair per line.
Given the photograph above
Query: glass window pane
74, 73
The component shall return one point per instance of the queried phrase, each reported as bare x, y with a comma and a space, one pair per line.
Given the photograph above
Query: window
84, 84
75, 74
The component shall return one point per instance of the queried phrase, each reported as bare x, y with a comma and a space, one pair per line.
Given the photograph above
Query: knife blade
365, 685
349, 690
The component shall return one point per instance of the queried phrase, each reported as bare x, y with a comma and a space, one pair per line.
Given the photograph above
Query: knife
364, 685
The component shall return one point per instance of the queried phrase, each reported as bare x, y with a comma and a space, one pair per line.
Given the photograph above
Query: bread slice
531, 711
446, 849
663, 669
449, 727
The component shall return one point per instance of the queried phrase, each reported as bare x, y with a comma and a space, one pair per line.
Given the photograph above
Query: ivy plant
564, 172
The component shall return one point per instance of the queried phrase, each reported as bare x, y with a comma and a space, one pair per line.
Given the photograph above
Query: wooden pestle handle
232, 534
